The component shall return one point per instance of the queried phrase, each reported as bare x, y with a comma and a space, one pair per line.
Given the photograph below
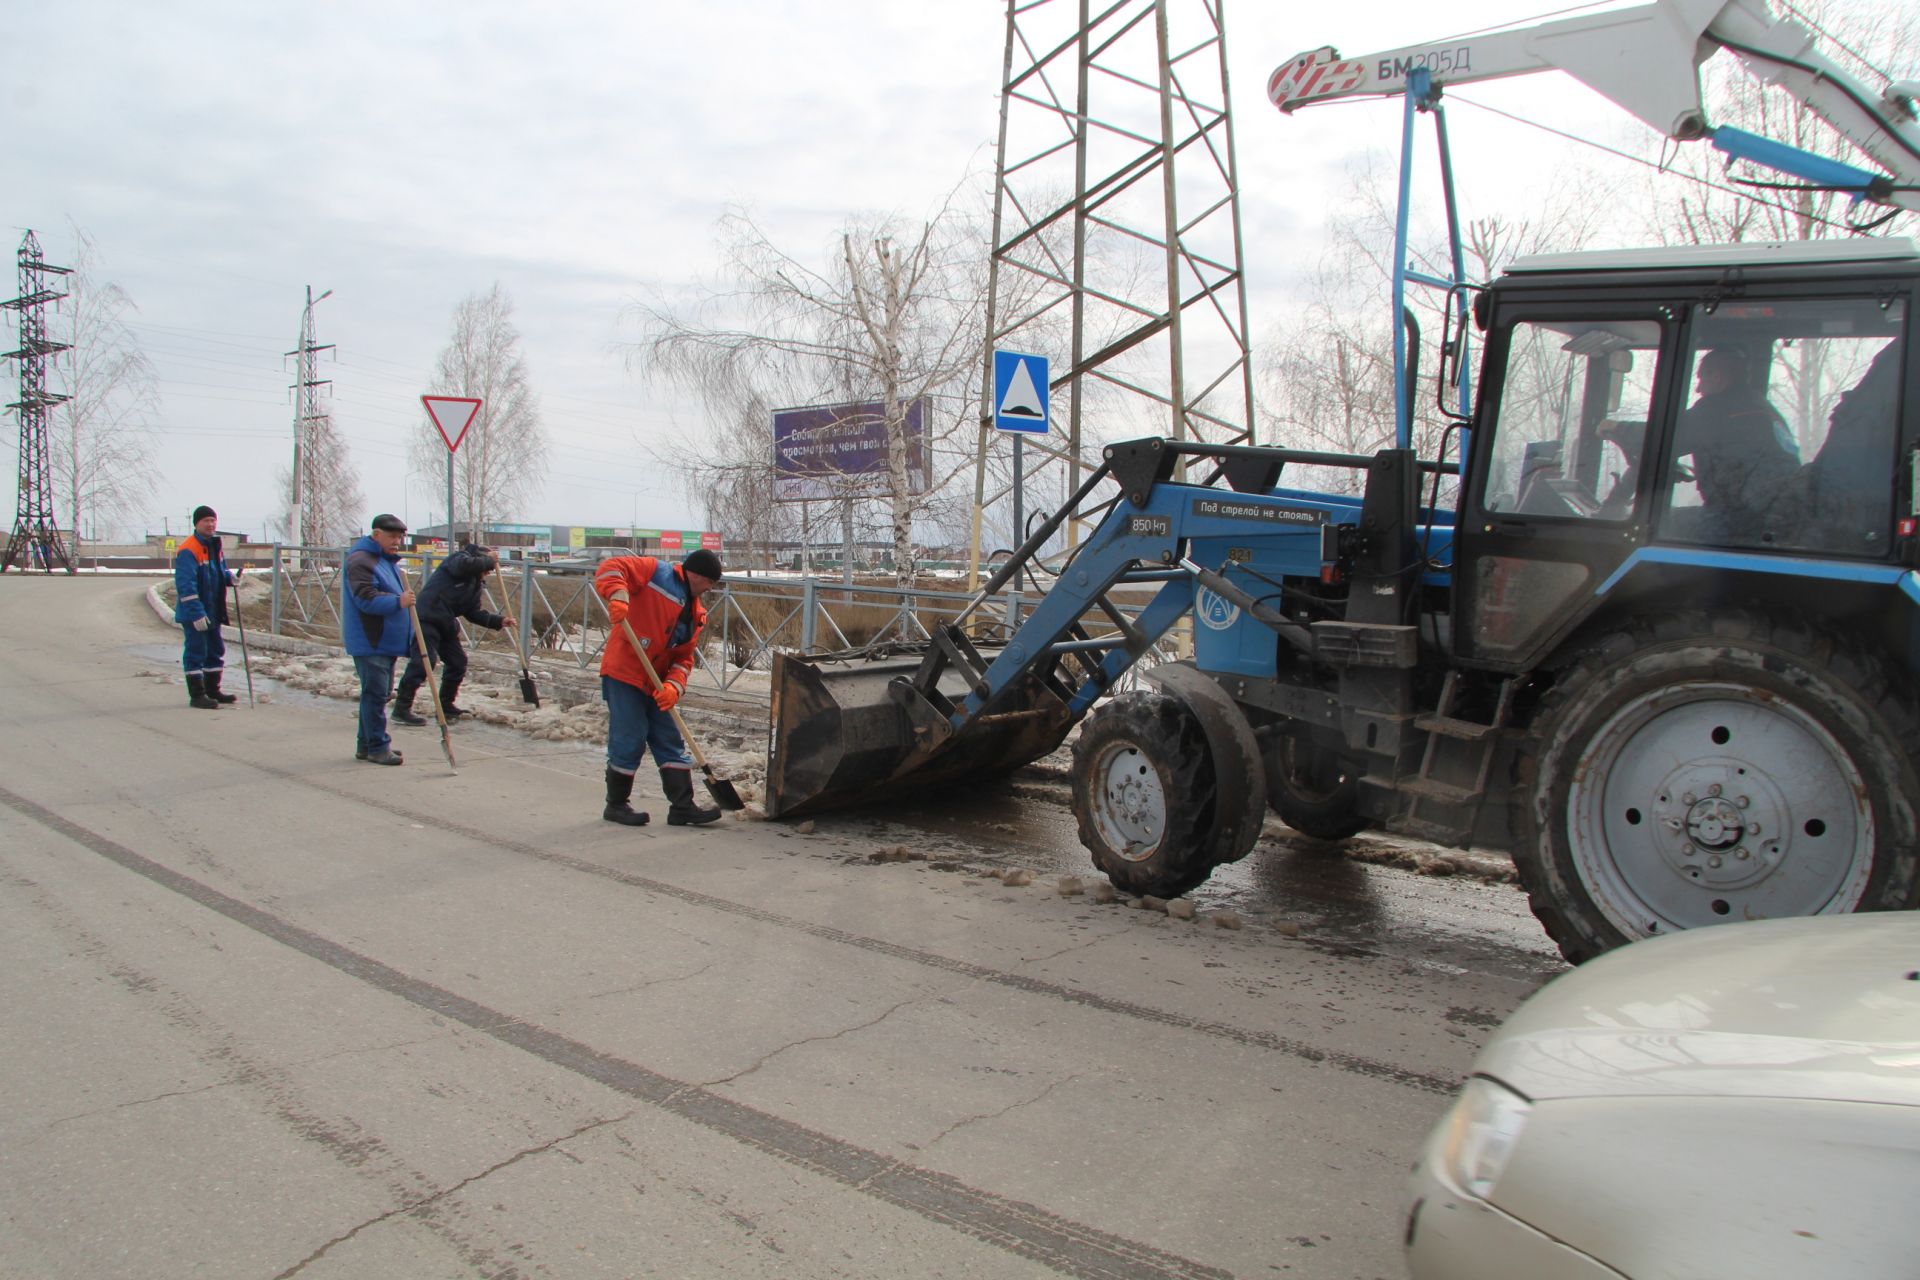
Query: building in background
557, 541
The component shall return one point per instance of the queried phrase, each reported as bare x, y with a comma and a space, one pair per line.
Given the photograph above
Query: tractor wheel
1143, 794
1311, 790
1693, 770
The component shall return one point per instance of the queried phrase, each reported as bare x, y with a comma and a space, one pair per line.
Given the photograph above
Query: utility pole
306, 412
36, 534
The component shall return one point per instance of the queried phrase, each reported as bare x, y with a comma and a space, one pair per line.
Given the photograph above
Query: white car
1741, 1101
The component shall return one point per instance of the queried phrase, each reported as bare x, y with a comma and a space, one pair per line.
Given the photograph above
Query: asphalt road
271, 1012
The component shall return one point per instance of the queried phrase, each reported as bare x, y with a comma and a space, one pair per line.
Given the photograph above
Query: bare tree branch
894, 315
101, 441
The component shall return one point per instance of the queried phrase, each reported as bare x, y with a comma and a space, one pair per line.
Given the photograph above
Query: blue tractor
1662, 648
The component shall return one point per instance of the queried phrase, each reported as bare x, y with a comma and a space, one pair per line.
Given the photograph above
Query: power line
1657, 167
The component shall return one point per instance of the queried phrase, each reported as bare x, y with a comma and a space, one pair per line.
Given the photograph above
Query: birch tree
502, 461
1326, 378
1720, 203
101, 440
891, 313
1717, 204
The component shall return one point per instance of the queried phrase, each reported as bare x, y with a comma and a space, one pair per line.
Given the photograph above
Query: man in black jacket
452, 593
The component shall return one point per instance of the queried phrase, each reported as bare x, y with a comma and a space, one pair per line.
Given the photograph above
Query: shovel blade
529, 691
723, 792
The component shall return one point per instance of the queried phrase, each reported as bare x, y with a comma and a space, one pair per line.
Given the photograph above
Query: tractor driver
1743, 452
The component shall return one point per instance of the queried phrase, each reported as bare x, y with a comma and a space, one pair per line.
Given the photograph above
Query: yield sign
452, 415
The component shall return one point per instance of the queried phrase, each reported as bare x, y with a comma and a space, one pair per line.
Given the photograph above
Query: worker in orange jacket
661, 602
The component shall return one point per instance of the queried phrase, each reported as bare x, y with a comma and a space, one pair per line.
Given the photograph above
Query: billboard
818, 451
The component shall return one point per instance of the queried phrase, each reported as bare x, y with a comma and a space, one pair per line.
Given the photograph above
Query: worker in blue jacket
200, 578
376, 628
456, 590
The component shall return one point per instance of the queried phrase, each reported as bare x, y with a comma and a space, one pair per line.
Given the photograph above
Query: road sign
1020, 392
452, 415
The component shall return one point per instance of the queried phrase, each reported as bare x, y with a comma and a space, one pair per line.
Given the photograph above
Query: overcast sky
224, 156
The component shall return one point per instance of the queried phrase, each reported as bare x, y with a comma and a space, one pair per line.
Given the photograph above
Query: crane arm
1647, 59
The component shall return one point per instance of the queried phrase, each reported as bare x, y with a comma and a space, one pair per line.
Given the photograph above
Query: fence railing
564, 622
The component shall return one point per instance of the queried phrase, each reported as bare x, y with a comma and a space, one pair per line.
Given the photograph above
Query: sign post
1019, 406
451, 415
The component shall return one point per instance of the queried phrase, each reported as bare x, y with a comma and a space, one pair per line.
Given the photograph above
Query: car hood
1827, 1007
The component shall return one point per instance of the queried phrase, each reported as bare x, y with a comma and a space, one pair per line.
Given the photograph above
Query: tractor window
1572, 419
1790, 435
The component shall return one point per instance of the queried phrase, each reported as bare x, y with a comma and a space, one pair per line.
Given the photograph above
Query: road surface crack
771, 1054
1007, 1110
429, 1201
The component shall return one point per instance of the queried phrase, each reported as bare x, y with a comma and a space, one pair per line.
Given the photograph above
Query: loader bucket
842, 734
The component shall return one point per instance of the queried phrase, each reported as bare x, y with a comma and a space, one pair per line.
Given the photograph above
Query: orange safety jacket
663, 613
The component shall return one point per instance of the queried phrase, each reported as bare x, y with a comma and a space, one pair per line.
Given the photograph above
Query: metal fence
563, 621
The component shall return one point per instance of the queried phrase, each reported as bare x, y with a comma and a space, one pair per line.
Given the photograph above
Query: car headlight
1482, 1131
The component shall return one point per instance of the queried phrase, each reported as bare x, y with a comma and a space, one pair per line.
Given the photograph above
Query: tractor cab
1727, 407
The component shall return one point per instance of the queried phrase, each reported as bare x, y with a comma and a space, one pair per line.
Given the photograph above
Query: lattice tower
307, 415
1116, 237
36, 539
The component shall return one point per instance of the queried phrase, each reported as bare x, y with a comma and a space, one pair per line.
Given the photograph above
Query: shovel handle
246, 663
653, 678
426, 664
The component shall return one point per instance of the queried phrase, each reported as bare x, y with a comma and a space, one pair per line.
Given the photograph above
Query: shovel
529, 691
718, 787
426, 660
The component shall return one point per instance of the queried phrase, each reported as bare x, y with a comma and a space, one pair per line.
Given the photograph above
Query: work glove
667, 696
199, 624
616, 611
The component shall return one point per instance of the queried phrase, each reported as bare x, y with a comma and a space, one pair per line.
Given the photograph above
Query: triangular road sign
452, 415
1023, 398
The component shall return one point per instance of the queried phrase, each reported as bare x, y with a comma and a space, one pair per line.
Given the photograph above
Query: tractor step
1453, 727
1441, 792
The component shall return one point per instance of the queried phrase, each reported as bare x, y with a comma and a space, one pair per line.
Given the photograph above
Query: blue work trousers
635, 722
376, 686
205, 653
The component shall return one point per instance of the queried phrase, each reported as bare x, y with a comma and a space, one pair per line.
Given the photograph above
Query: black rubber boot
213, 689
684, 810
197, 694
448, 688
619, 791
403, 706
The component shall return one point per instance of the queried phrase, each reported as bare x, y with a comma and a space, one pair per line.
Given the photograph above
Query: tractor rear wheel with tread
1143, 795
1311, 791
1700, 769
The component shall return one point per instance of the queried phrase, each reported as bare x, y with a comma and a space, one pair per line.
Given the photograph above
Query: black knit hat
704, 563
202, 512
